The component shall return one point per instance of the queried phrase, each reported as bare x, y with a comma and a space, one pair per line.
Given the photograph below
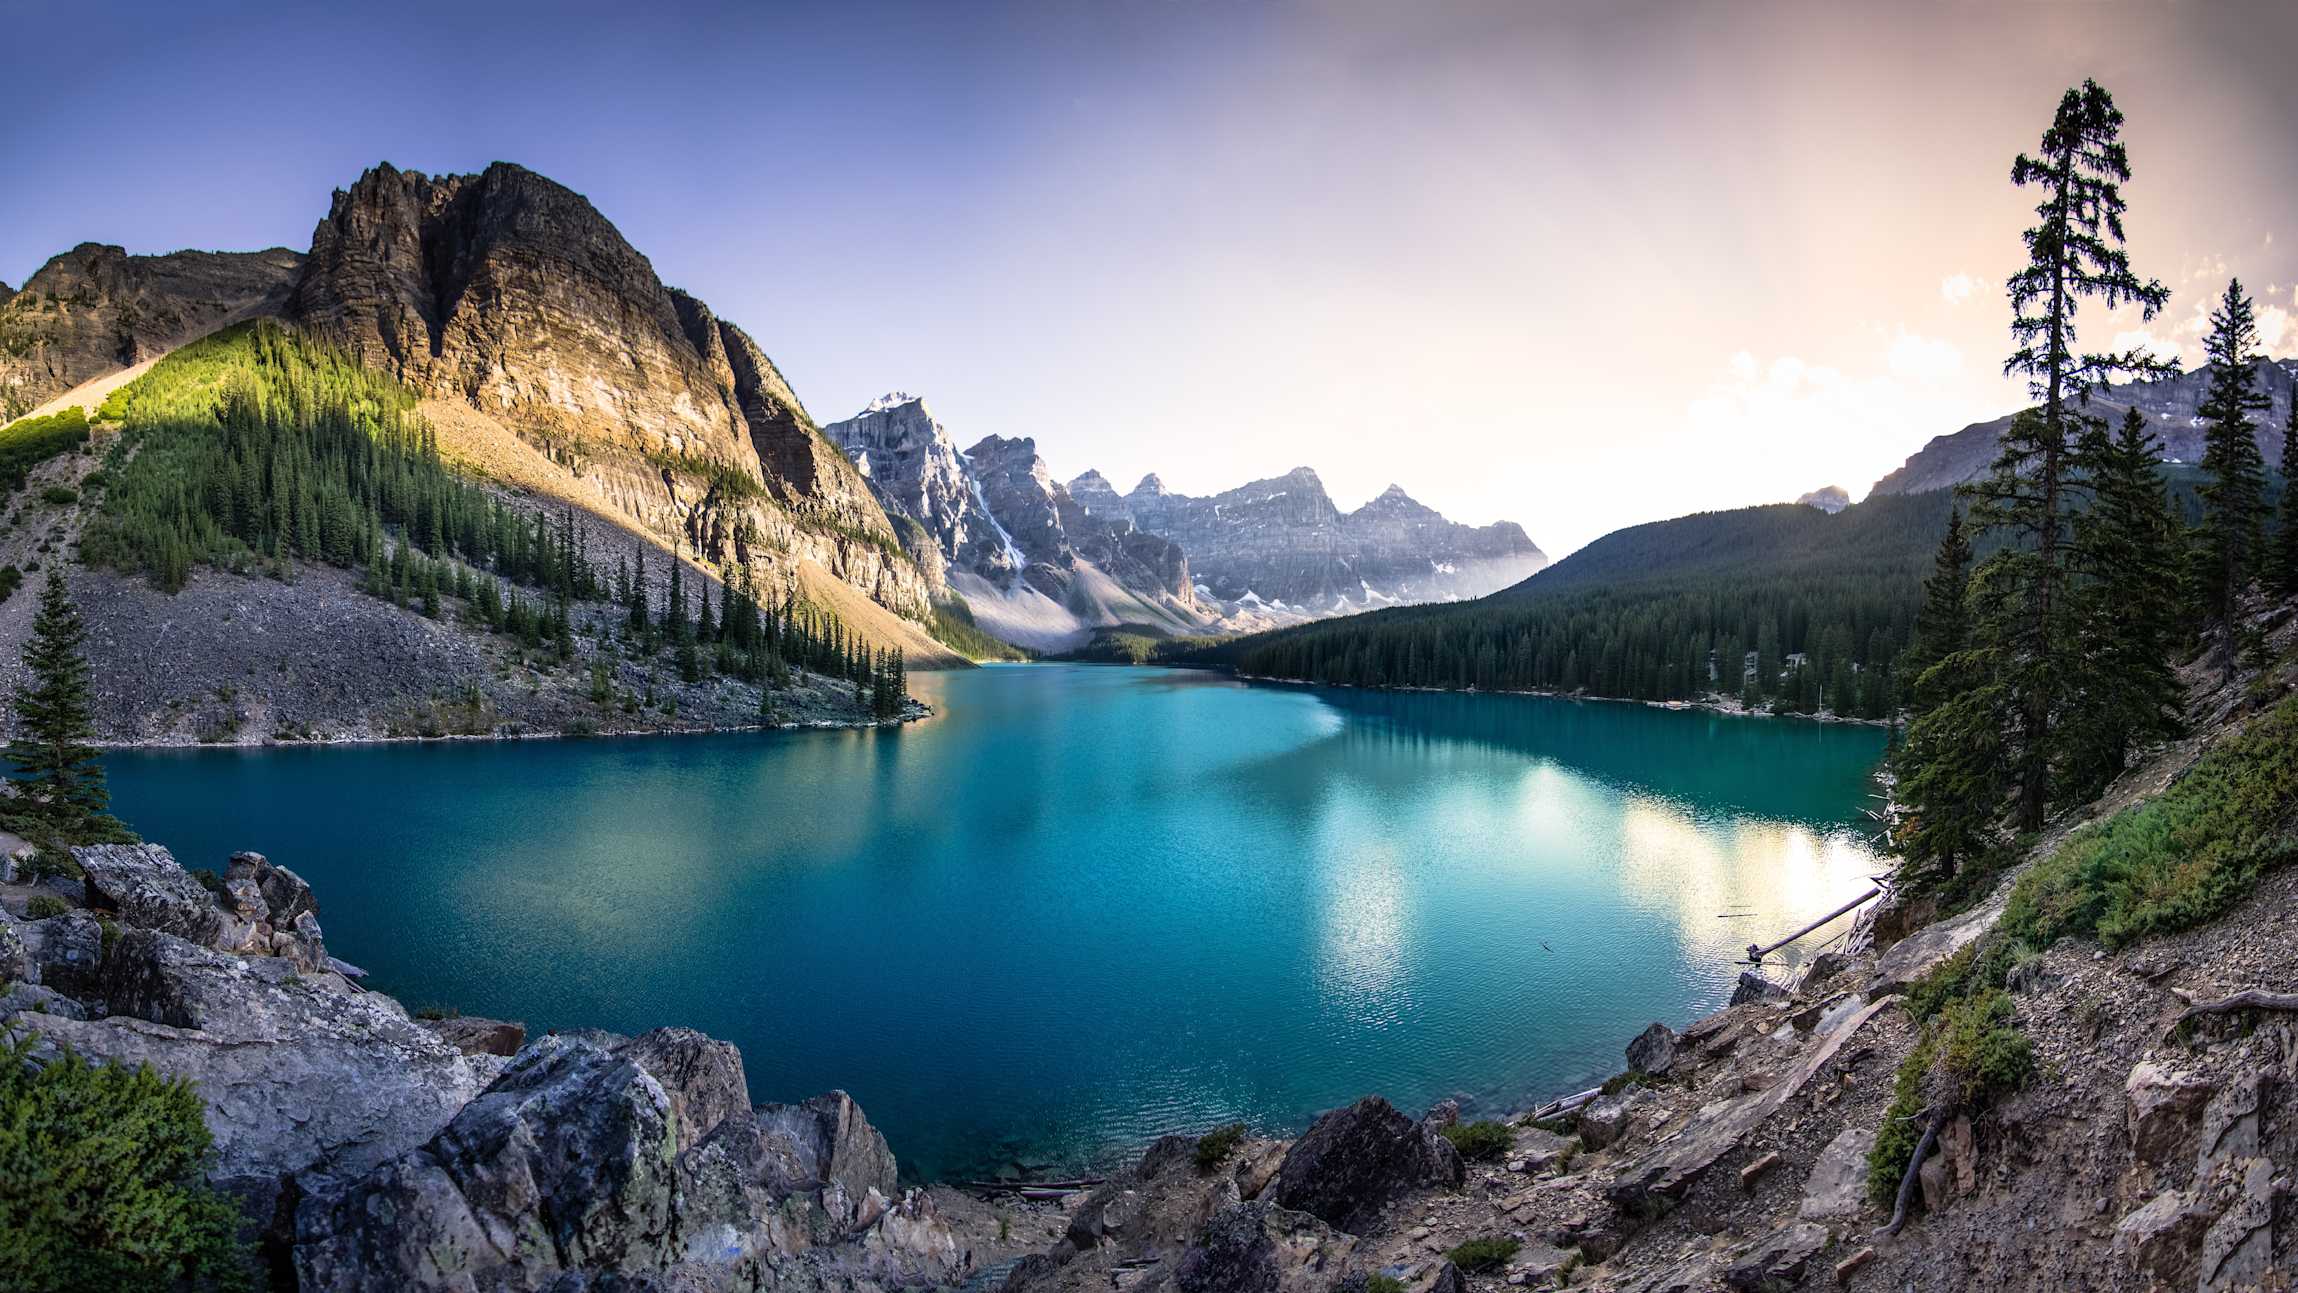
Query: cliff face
510, 294
1036, 565
1283, 540
96, 309
917, 472
2172, 408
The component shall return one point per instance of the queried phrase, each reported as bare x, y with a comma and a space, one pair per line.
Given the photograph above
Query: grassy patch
1486, 1254
1619, 1082
1480, 1140
28, 442
2177, 861
1216, 1145
1380, 1283
44, 905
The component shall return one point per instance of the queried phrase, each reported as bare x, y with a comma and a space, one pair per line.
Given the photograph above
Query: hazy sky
1578, 265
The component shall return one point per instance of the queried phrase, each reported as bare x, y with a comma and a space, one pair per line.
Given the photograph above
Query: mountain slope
95, 309
1811, 607
2171, 405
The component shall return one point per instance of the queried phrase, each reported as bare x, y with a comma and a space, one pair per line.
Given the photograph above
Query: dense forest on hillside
261, 446
1782, 603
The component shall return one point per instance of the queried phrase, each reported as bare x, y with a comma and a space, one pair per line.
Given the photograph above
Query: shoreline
925, 712
1707, 706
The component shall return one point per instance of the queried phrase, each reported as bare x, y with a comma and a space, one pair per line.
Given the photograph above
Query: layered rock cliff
1282, 540
511, 295
2172, 407
96, 309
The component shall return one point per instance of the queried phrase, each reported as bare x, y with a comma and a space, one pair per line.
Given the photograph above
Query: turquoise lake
1083, 905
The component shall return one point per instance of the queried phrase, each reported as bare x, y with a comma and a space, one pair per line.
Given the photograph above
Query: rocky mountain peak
894, 400
510, 293
1151, 486
1827, 498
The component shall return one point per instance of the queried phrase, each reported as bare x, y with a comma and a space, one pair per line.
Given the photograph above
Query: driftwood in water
1756, 954
1016, 1187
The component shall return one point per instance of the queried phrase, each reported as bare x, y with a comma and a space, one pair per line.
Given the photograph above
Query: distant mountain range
1042, 563
2172, 407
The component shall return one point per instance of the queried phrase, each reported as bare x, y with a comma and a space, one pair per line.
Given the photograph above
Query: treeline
1782, 605
261, 445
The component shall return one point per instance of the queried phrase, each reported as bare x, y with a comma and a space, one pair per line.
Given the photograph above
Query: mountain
2171, 406
95, 310
1034, 564
1827, 498
1282, 543
536, 329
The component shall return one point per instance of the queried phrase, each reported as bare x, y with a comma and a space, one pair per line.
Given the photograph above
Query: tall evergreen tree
2074, 251
2234, 498
2127, 608
57, 775
2286, 540
1943, 626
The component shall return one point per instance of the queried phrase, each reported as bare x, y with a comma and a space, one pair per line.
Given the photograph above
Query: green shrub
101, 1181
1902, 1127
1480, 1140
2178, 860
1215, 1145
28, 442
44, 905
1488, 1253
1378, 1282
1619, 1082
59, 495
1985, 1054
49, 860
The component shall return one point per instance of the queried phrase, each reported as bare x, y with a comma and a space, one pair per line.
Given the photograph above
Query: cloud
1924, 359
1957, 288
2275, 328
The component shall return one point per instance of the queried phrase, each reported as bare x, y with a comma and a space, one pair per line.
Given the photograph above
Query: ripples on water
1085, 906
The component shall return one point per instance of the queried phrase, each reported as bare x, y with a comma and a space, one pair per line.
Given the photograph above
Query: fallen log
2247, 999
1565, 1105
1756, 954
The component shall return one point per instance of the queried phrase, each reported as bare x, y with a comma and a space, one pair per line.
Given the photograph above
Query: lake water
1085, 905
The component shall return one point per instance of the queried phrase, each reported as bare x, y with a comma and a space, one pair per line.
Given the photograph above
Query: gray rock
145, 886
473, 1035
2163, 1104
2158, 1240
1837, 1186
1353, 1161
1777, 1257
15, 957
1755, 987
32, 998
1605, 1119
64, 951
2238, 1249
827, 1141
1653, 1051
706, 1085
297, 1078
1262, 1248
1914, 956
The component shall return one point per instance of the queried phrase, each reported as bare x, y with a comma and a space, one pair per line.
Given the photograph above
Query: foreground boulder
143, 885
581, 1161
1354, 1161
1262, 1248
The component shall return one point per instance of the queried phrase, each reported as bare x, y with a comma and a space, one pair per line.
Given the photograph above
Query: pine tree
1943, 626
674, 624
2074, 252
2234, 498
640, 621
2126, 609
2286, 540
57, 775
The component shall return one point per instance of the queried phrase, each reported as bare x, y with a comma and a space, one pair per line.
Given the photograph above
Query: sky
1577, 265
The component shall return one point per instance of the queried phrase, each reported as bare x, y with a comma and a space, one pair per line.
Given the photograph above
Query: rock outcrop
2172, 407
511, 295
1353, 1161
379, 1152
95, 309
916, 471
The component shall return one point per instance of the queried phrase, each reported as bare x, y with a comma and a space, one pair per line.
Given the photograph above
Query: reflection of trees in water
1780, 768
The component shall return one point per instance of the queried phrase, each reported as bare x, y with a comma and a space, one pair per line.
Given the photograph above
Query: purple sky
1578, 265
